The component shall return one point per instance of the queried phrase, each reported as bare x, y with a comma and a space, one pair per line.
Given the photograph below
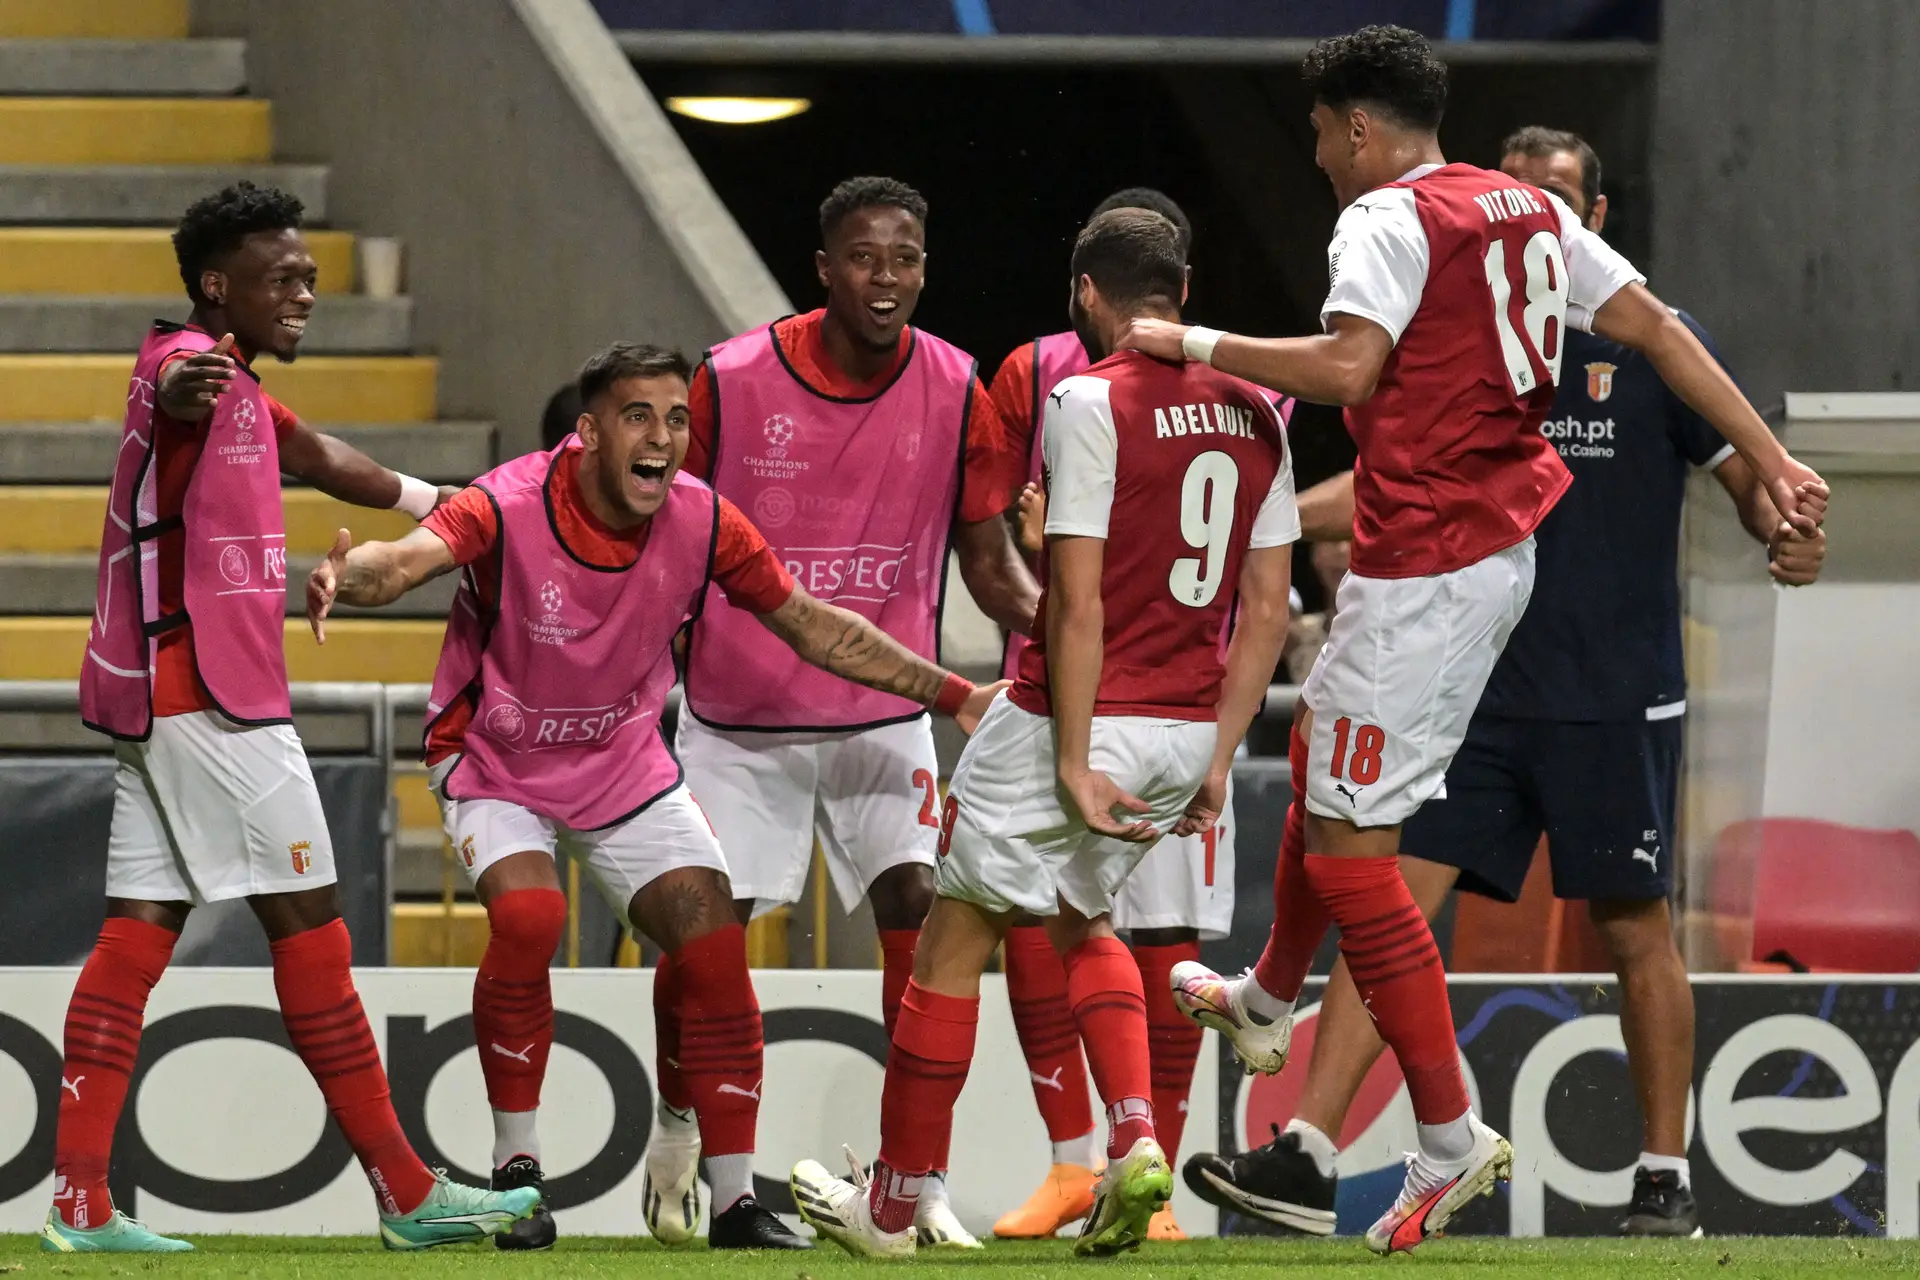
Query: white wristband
1200, 342
417, 497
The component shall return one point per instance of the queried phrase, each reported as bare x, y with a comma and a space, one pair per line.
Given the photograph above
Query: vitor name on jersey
1203, 420
1508, 202
1580, 437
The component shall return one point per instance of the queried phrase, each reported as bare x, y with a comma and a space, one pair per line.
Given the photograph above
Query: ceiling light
738, 110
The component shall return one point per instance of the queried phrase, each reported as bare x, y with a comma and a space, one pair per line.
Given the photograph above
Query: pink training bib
571, 671
857, 497
234, 583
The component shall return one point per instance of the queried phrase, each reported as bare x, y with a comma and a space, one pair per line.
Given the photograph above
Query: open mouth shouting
883, 311
648, 478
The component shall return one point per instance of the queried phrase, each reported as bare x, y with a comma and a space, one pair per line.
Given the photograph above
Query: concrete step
390, 651
130, 260
55, 519
65, 583
142, 193
83, 452
148, 68
343, 323
41, 388
94, 19
135, 131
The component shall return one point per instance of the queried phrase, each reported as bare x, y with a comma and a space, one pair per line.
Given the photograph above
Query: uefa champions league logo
550, 602
243, 418
779, 431
233, 565
505, 722
140, 392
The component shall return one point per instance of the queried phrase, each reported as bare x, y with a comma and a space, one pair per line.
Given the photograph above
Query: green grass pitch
327, 1258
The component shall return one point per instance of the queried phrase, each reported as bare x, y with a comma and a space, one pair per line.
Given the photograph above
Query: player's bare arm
1076, 650
373, 573
843, 642
1635, 318
341, 471
996, 575
1326, 510
1793, 558
1261, 614
1338, 367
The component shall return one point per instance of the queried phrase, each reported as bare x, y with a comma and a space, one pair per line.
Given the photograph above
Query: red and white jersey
1475, 277
1180, 468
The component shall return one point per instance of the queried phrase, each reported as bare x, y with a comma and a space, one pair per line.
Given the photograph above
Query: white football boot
1210, 1000
837, 1209
670, 1191
1435, 1190
934, 1222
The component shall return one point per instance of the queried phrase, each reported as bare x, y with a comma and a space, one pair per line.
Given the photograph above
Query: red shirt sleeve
745, 566
996, 468
284, 419
701, 433
466, 523
1012, 395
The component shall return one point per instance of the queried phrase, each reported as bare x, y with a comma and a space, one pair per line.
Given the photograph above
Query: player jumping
1170, 493
1181, 892
1444, 336
186, 669
862, 446
582, 564
1578, 735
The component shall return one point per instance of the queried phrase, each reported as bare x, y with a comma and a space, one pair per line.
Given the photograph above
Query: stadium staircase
112, 121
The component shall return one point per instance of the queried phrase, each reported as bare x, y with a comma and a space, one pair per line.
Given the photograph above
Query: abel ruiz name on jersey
1203, 420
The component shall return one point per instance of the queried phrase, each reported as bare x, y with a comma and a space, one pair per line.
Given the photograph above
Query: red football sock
896, 970
513, 995
721, 1050
668, 1079
1042, 1018
926, 1069
104, 1018
329, 1031
1299, 918
1390, 953
1173, 1043
1103, 985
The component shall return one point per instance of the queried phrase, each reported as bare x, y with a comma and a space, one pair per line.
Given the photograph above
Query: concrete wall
1785, 148
546, 206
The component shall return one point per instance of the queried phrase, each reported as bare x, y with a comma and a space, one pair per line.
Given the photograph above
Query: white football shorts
670, 833
205, 810
1011, 845
870, 796
1184, 882
1395, 687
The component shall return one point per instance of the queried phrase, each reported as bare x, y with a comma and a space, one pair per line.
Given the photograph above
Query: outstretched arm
1635, 318
341, 471
373, 573
996, 576
1340, 366
843, 642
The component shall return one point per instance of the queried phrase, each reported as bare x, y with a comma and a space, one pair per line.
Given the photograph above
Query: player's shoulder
1081, 394
1017, 364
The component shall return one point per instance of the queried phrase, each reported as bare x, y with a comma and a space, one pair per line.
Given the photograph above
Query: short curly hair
869, 193
215, 225
1391, 68
1159, 202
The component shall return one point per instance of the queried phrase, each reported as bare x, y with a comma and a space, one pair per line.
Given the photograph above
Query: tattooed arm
843, 642
373, 573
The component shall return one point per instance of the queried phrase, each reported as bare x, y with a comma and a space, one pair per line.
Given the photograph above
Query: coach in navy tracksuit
1578, 736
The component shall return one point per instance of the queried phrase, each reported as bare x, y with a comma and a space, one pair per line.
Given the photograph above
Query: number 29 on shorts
1367, 741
